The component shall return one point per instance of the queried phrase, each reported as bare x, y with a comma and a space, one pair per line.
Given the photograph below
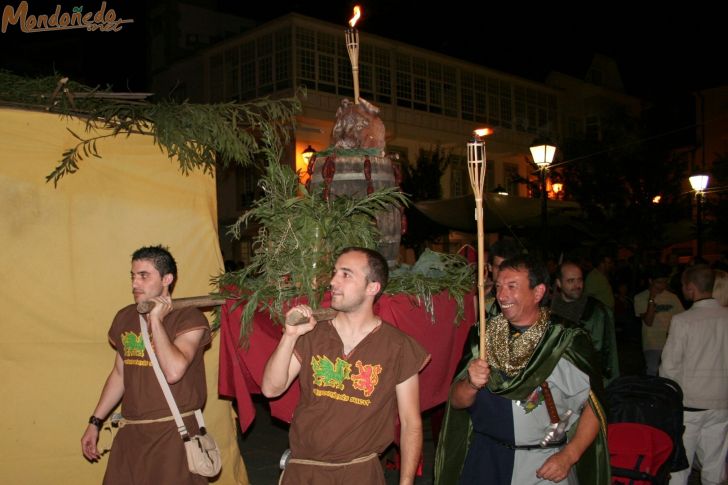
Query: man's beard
570, 310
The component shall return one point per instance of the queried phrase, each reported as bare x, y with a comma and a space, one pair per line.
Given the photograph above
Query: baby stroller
645, 427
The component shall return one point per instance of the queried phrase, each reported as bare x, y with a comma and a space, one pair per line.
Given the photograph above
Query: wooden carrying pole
476, 171
204, 301
207, 301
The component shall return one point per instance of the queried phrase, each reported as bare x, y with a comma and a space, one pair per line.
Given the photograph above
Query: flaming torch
352, 45
476, 171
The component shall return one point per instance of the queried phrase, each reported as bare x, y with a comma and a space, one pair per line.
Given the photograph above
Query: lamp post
699, 182
543, 155
558, 189
499, 190
308, 154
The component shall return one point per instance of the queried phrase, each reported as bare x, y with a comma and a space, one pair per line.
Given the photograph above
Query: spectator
655, 306
695, 357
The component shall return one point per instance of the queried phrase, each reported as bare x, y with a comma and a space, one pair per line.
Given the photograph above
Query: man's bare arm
282, 366
557, 467
463, 392
175, 356
410, 439
111, 394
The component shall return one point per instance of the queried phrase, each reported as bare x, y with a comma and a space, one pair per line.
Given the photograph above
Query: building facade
426, 99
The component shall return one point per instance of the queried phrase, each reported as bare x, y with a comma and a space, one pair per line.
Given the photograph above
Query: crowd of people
531, 411
642, 302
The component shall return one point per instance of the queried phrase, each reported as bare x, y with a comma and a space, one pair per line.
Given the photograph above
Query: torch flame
481, 132
355, 18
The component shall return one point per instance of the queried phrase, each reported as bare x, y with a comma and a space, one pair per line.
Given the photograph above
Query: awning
501, 212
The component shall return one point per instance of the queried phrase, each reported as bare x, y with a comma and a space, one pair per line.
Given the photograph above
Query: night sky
661, 52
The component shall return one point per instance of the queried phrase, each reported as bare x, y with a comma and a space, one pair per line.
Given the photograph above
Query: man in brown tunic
355, 373
148, 449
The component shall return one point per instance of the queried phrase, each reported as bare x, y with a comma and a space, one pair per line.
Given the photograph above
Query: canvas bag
203, 454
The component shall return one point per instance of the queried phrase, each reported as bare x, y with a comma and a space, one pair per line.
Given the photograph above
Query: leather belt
512, 446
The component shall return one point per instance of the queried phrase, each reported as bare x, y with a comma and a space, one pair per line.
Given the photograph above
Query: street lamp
499, 190
699, 182
308, 154
543, 155
557, 187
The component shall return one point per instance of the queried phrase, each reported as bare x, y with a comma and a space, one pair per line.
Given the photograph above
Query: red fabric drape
241, 369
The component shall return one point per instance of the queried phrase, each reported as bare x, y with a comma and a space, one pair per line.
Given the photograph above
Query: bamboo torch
352, 46
476, 171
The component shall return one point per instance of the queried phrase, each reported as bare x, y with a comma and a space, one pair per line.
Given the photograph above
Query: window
519, 106
403, 81
265, 75
533, 110
307, 65
326, 77
386, 76
344, 77
366, 71
283, 59
467, 103
383, 76
481, 99
254, 68
419, 83
450, 91
494, 102
306, 57
435, 87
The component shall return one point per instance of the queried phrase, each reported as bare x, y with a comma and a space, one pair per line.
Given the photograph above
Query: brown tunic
348, 403
154, 453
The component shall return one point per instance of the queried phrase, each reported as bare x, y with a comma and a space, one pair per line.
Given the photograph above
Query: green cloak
598, 319
561, 339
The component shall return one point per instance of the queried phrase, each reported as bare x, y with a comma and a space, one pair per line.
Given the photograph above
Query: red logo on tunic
367, 378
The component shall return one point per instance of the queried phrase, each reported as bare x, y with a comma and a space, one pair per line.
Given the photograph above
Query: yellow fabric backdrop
65, 268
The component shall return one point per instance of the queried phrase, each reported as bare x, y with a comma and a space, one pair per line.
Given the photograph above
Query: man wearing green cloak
572, 304
497, 423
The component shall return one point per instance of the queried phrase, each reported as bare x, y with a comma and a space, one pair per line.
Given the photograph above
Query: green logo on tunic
328, 374
133, 344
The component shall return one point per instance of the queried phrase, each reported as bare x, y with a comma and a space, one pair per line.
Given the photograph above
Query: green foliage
198, 135
300, 233
431, 274
299, 236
